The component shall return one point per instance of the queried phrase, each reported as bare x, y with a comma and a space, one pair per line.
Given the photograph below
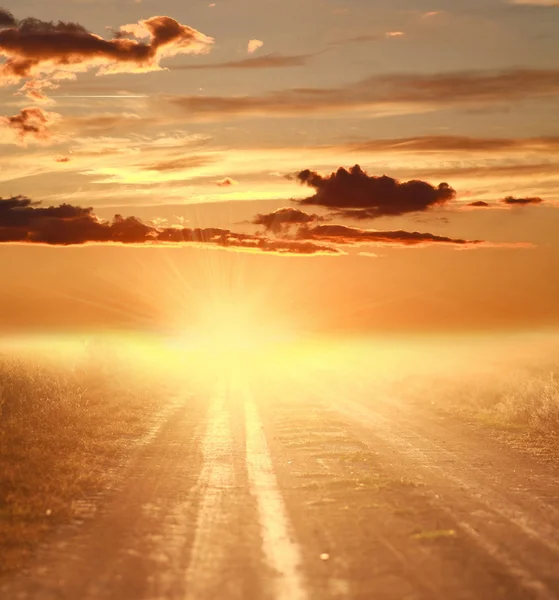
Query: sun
238, 335
239, 329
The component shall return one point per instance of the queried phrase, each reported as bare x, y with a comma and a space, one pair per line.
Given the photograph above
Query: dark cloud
31, 124
7, 19
267, 61
56, 51
511, 201
281, 220
25, 221
22, 220
354, 194
340, 234
479, 204
464, 89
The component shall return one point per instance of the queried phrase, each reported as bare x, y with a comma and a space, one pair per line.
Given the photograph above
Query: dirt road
255, 494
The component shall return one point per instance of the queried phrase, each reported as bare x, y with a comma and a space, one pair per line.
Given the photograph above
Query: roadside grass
507, 380
517, 400
63, 430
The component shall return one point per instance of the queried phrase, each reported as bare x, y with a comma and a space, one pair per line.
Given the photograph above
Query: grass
521, 399
63, 429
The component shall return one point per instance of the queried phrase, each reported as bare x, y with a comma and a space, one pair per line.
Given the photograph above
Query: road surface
277, 493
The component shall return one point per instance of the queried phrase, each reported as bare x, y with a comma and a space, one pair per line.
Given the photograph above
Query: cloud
179, 164
366, 37
25, 221
7, 19
478, 204
385, 94
511, 201
225, 238
354, 194
226, 182
281, 220
544, 3
33, 89
340, 234
455, 143
47, 51
506, 171
267, 61
29, 125
254, 45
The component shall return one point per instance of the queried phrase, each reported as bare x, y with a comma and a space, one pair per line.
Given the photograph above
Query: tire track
281, 551
216, 481
424, 456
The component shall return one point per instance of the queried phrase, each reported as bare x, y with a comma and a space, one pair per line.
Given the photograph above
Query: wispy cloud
383, 94
545, 3
29, 125
267, 61
366, 37
454, 143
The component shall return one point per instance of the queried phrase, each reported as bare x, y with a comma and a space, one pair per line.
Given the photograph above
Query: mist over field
71, 401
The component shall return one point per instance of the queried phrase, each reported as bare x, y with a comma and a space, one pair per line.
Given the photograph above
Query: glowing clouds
254, 45
46, 52
30, 125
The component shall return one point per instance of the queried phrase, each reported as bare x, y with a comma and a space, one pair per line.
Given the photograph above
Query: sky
355, 165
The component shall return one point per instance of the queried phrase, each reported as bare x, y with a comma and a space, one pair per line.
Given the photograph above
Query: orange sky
229, 132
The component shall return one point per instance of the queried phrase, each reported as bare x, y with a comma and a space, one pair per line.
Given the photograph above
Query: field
511, 386
73, 415
67, 420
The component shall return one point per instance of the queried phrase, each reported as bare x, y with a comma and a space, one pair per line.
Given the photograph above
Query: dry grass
62, 428
526, 399
508, 380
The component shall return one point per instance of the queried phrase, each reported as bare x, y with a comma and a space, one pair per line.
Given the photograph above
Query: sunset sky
227, 136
